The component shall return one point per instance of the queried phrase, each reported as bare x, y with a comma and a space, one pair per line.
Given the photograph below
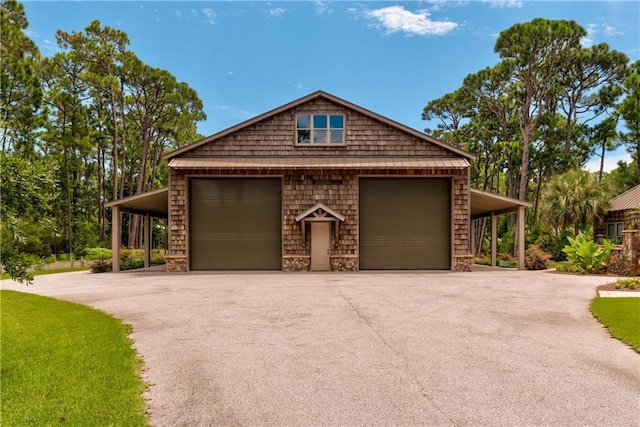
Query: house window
614, 230
320, 129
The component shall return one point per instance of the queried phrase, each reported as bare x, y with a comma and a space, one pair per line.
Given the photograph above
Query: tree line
538, 115
85, 126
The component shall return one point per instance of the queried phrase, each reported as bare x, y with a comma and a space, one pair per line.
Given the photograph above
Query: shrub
97, 253
536, 259
632, 283
131, 264
586, 254
507, 263
507, 242
101, 266
65, 257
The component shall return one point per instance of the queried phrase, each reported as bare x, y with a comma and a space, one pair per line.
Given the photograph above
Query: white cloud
210, 15
297, 85
179, 13
277, 11
603, 28
234, 111
322, 7
610, 161
504, 3
587, 41
395, 18
610, 30
435, 5
31, 34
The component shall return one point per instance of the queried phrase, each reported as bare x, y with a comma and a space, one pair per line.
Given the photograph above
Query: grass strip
621, 316
52, 271
65, 363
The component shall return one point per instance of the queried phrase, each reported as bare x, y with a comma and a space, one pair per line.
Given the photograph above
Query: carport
484, 205
153, 204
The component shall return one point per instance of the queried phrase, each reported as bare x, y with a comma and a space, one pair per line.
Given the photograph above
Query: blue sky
245, 58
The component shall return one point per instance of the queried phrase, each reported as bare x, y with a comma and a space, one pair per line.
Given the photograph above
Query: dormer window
320, 129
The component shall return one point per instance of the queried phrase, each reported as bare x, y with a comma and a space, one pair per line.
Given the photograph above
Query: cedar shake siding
274, 135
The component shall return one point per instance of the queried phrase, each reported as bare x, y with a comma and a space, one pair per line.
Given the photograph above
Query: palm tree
575, 198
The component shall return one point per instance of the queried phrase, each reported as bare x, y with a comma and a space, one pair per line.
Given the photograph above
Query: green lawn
621, 316
66, 363
52, 271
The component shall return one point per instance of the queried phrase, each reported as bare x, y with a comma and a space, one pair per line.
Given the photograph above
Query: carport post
147, 240
494, 239
521, 248
116, 231
474, 243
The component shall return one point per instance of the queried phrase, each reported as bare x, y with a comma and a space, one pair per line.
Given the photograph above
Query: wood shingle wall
304, 188
275, 136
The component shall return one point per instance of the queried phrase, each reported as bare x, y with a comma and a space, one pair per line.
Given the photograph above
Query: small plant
586, 254
98, 253
631, 283
536, 258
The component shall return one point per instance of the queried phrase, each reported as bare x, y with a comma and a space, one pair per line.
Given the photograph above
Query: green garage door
234, 224
405, 224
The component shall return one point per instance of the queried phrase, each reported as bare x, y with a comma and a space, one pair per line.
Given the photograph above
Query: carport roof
155, 203
484, 203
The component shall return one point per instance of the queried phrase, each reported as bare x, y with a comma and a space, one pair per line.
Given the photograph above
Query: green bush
507, 263
130, 259
587, 255
97, 253
507, 242
568, 267
628, 283
504, 260
131, 264
65, 257
536, 259
554, 245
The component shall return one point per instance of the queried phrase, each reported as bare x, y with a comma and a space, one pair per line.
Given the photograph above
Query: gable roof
332, 98
630, 199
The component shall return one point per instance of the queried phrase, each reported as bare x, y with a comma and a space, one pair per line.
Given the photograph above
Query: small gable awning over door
320, 212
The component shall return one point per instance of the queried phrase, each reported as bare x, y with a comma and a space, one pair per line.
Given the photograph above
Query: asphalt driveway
482, 348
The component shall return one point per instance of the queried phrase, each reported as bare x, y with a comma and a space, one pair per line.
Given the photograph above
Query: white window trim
328, 129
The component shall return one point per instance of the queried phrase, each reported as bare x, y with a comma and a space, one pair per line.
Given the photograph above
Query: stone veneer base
296, 263
176, 263
463, 262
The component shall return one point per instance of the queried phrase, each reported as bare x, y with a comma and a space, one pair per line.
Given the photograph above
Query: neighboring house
613, 222
318, 184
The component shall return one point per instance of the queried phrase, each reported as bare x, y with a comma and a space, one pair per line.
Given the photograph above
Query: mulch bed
612, 287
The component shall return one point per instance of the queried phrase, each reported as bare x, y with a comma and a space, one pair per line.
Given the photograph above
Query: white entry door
320, 246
